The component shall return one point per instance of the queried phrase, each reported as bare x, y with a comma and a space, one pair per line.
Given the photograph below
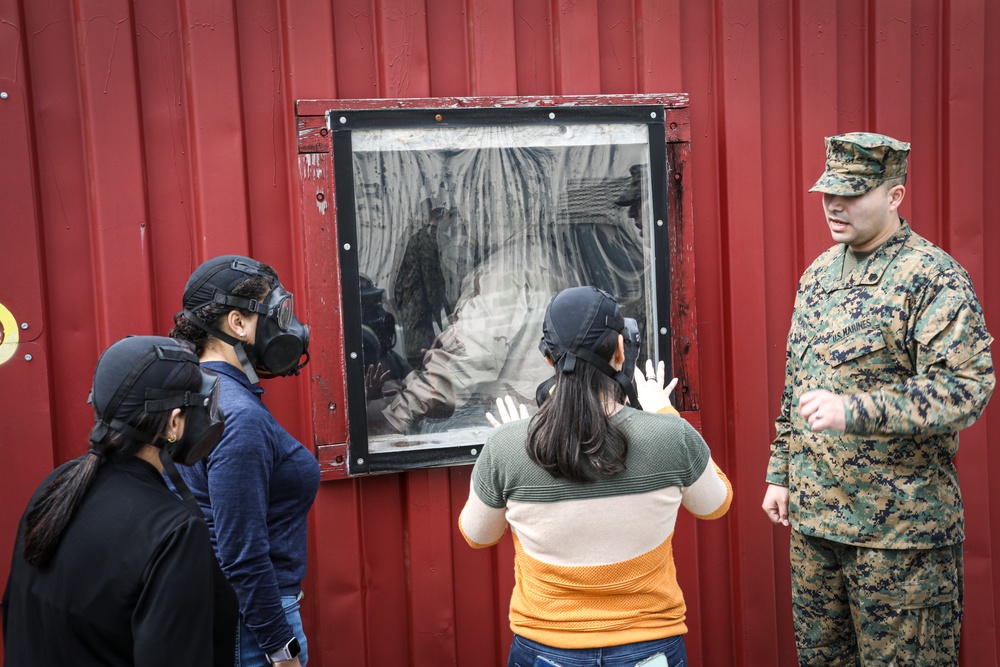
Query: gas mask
281, 339
203, 420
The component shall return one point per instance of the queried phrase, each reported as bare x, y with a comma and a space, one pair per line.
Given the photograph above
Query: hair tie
101, 456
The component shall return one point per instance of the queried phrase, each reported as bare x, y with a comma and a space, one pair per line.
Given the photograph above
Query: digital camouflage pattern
860, 161
419, 293
902, 338
857, 606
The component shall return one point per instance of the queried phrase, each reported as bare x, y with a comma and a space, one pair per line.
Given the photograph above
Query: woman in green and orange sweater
591, 489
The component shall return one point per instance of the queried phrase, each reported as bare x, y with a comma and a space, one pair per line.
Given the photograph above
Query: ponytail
48, 518
571, 436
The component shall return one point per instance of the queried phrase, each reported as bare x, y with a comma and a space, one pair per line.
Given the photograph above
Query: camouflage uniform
419, 293
876, 512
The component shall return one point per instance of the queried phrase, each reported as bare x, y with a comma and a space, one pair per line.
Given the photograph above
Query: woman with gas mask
111, 568
257, 486
591, 489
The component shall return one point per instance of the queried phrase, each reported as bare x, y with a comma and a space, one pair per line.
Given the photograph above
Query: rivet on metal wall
473, 452
659, 223
4, 95
354, 355
652, 114
324, 132
361, 462
27, 357
347, 246
663, 331
24, 325
343, 120
552, 115
673, 126
438, 117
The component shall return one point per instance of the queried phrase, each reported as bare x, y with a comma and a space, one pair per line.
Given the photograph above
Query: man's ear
896, 195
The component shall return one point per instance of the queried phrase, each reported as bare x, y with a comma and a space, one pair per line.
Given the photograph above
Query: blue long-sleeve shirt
256, 489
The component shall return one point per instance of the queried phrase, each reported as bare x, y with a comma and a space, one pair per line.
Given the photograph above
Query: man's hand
823, 410
509, 411
776, 504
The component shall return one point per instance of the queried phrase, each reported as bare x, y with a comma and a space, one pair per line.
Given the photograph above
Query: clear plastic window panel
464, 236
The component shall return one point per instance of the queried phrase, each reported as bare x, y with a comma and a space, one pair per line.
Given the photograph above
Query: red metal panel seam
244, 133
97, 270
148, 250
965, 157
194, 147
744, 156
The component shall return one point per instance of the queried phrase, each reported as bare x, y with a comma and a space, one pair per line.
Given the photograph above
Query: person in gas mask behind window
110, 568
257, 487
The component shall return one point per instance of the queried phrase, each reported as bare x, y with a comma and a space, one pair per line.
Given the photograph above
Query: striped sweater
593, 562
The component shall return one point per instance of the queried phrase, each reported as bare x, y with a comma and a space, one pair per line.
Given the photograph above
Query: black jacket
133, 582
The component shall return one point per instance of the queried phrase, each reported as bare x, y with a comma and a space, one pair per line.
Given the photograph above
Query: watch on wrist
287, 652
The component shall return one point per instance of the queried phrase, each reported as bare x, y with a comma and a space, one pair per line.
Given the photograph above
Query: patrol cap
576, 320
860, 161
220, 275
127, 372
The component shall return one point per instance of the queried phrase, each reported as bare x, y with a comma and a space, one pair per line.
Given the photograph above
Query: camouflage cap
860, 161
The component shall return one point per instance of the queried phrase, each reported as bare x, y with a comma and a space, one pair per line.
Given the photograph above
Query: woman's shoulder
512, 435
630, 418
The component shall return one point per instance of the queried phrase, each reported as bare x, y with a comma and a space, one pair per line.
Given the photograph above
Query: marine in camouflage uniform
419, 290
893, 344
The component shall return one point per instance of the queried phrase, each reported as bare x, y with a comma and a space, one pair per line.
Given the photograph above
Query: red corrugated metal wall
139, 137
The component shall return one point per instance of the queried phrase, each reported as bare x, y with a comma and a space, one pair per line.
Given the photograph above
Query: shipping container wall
141, 137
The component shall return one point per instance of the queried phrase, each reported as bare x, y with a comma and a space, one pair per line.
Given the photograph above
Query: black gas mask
128, 381
377, 318
575, 322
203, 420
281, 340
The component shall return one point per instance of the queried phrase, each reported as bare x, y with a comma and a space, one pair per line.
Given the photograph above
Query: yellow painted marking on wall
9, 334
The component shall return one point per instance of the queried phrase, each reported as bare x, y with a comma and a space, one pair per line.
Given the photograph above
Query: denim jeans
526, 653
248, 654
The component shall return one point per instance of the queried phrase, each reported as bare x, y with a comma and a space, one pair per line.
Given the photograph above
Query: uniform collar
830, 273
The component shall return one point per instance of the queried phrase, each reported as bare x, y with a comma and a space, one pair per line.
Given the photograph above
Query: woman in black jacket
110, 567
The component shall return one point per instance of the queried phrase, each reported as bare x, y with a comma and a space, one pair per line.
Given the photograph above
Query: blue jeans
248, 654
526, 653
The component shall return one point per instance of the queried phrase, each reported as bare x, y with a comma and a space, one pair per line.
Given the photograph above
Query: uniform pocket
856, 346
931, 581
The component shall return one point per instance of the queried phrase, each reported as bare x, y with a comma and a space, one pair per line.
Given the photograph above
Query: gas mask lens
285, 312
281, 307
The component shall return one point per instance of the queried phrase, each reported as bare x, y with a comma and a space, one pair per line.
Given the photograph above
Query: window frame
331, 266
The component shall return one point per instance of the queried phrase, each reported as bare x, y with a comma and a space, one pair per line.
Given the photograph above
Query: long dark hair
254, 287
49, 517
572, 436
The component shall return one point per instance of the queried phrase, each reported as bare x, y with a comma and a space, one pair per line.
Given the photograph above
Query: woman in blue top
257, 486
